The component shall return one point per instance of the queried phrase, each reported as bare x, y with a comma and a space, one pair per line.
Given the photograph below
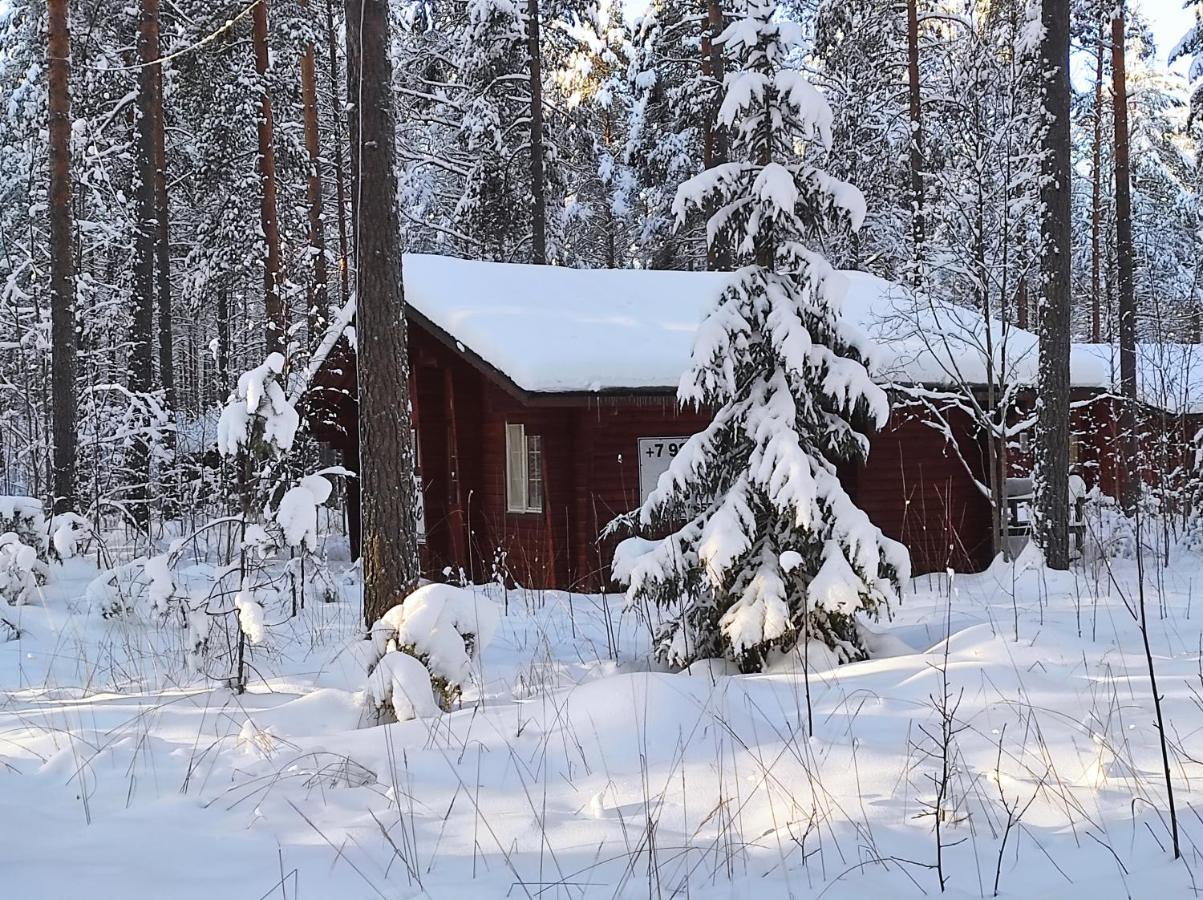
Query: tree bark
317, 314
918, 229
538, 177
1096, 197
162, 229
1130, 483
386, 451
223, 341
340, 190
142, 336
1053, 381
715, 149
62, 258
273, 306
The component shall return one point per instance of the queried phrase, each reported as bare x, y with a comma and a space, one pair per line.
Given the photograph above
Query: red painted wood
913, 487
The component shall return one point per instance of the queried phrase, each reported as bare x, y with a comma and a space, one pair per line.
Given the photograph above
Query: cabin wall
918, 490
608, 468
914, 487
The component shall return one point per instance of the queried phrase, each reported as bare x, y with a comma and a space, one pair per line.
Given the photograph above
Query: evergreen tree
1191, 47
673, 97
772, 549
860, 47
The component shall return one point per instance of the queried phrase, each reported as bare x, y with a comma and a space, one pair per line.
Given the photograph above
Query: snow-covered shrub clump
444, 627
764, 547
401, 686
144, 588
297, 512
67, 531
20, 570
250, 617
259, 395
24, 517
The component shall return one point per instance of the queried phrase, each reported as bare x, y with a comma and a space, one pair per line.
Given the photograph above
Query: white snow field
572, 770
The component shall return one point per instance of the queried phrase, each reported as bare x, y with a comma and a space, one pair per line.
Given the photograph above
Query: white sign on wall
655, 455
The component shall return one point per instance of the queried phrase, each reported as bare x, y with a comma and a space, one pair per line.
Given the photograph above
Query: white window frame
519, 451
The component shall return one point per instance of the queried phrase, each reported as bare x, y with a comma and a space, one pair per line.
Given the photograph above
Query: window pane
515, 454
534, 471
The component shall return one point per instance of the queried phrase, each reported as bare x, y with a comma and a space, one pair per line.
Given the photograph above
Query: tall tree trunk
62, 258
1096, 196
1053, 382
918, 229
386, 451
715, 148
273, 306
318, 288
1130, 485
340, 190
223, 340
142, 336
538, 178
162, 230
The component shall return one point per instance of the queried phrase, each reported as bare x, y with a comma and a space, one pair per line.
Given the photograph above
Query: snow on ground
573, 770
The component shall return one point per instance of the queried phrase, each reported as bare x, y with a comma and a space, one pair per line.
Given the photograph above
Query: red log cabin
544, 403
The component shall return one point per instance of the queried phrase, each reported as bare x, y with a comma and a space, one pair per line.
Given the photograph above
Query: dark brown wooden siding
918, 491
913, 487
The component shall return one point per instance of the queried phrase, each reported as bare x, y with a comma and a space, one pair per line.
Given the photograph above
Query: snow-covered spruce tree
765, 548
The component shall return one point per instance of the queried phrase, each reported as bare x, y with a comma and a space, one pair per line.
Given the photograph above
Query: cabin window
524, 470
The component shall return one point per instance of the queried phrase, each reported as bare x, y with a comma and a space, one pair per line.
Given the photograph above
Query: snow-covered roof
1168, 376
558, 330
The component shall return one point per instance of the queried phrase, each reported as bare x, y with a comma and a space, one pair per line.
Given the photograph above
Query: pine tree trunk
223, 341
162, 233
1096, 197
386, 452
538, 179
143, 335
340, 189
715, 148
916, 144
272, 304
62, 258
318, 288
1130, 484
1053, 382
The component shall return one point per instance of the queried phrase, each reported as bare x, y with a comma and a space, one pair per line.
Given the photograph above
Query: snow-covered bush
297, 512
1109, 533
143, 589
67, 531
443, 627
24, 517
20, 570
764, 547
400, 686
258, 410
